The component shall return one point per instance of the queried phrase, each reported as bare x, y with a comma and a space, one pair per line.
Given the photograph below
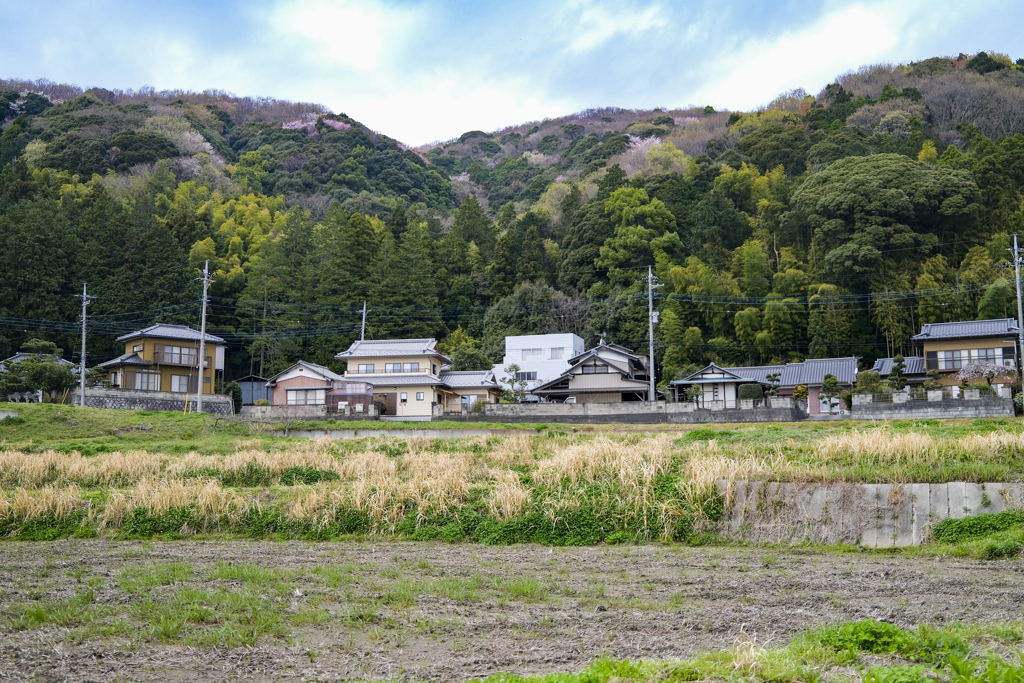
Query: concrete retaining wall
8, 413
400, 433
872, 515
306, 413
637, 412
939, 410
123, 399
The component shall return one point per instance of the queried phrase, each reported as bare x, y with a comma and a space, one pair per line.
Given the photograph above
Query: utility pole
202, 338
81, 372
1020, 311
652, 318
362, 330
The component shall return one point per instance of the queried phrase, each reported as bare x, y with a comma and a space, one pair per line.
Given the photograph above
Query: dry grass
55, 501
211, 503
508, 497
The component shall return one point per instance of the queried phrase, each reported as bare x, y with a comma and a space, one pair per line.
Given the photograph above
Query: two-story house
411, 376
166, 358
607, 373
540, 357
948, 347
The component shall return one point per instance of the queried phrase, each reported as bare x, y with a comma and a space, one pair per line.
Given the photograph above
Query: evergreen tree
998, 301
501, 272
531, 258
402, 291
751, 269
590, 229
472, 225
830, 323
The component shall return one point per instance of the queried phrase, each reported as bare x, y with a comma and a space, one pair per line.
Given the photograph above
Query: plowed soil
639, 602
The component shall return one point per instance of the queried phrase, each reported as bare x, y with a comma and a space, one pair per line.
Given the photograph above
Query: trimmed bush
748, 392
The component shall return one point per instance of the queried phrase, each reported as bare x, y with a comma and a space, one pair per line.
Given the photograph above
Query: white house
540, 357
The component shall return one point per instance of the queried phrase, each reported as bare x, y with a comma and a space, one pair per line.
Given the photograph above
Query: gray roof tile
812, 371
391, 348
468, 379
161, 331
126, 359
914, 366
967, 329
319, 369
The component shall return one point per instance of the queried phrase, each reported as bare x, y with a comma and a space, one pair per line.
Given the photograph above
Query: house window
404, 397
528, 376
595, 369
556, 354
178, 355
392, 367
433, 368
952, 360
306, 397
137, 348
179, 384
529, 354
366, 369
411, 367
419, 395
468, 400
147, 380
983, 356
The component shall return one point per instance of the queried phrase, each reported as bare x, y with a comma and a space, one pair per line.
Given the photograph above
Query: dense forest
817, 226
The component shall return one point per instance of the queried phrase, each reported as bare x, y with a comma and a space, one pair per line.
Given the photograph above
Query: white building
540, 357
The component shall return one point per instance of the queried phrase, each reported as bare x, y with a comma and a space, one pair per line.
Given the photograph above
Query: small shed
254, 388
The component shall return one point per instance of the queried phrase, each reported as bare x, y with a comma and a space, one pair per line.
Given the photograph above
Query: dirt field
415, 611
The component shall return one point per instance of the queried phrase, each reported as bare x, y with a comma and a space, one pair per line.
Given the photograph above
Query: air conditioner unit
1008, 363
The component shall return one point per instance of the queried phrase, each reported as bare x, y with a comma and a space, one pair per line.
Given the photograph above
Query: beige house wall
948, 377
148, 352
427, 365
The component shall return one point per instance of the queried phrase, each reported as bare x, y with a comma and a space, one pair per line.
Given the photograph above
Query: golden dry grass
210, 502
55, 501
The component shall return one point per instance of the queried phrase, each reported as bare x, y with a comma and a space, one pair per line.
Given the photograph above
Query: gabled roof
595, 353
914, 366
604, 345
759, 373
812, 371
730, 375
391, 348
469, 379
312, 367
126, 359
968, 329
178, 332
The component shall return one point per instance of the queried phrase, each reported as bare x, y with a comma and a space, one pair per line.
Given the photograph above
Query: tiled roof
914, 366
318, 369
813, 371
126, 359
391, 348
968, 330
468, 379
161, 331
399, 380
22, 355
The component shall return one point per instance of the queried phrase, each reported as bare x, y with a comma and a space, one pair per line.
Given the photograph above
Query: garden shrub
748, 392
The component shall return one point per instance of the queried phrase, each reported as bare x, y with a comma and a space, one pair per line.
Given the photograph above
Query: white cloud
345, 32
597, 23
809, 57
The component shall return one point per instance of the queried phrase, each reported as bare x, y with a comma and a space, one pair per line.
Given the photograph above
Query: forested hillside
825, 225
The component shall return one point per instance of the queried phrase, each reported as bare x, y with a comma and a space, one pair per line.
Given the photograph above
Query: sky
427, 70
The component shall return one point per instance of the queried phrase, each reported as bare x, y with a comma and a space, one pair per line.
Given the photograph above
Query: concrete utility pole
202, 338
362, 330
81, 373
1020, 311
652, 317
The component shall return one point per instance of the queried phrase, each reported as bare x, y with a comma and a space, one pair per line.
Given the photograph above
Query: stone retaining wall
164, 401
938, 410
872, 515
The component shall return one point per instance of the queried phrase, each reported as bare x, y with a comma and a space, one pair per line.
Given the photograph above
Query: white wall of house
546, 356
720, 391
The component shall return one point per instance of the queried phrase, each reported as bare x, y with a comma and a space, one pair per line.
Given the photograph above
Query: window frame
365, 368
419, 395
403, 397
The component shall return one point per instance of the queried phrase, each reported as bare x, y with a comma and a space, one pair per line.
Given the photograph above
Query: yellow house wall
413, 408
948, 377
148, 352
426, 365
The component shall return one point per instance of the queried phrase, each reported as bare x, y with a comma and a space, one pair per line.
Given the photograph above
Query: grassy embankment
78, 472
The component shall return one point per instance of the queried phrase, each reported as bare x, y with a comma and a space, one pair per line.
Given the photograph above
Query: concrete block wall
872, 515
126, 399
939, 410
8, 413
637, 412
